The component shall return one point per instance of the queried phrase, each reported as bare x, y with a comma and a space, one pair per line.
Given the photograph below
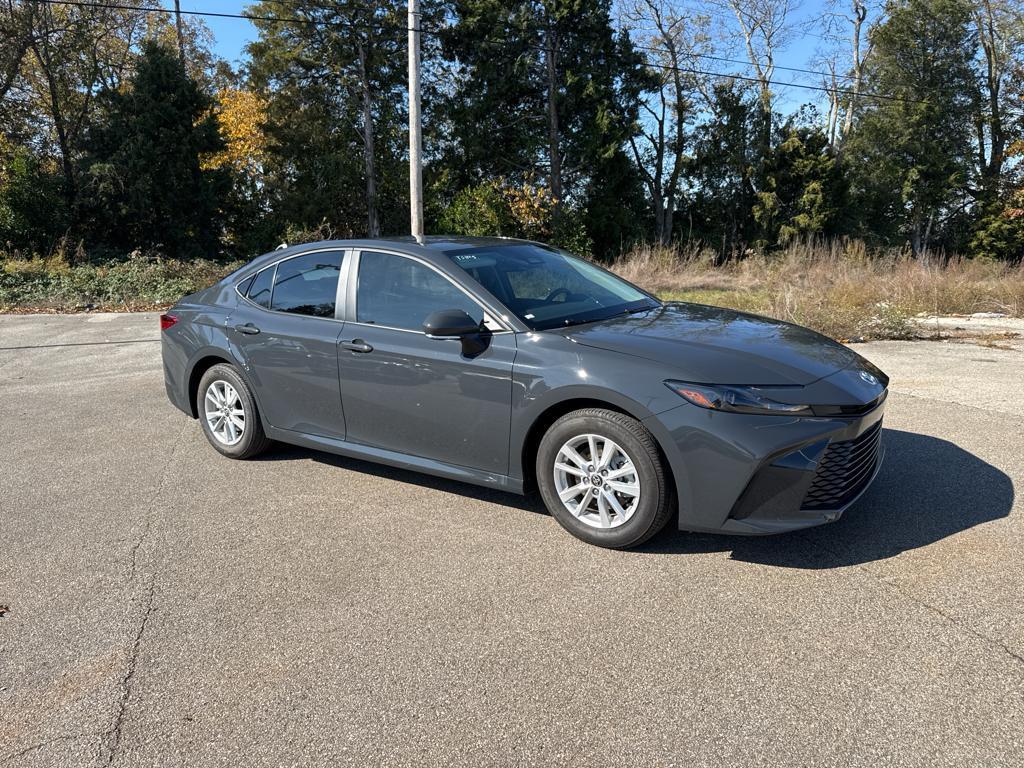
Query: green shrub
140, 282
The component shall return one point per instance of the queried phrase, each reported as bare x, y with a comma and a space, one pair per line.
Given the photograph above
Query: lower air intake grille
844, 470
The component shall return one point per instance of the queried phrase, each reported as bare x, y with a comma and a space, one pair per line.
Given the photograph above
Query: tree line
591, 124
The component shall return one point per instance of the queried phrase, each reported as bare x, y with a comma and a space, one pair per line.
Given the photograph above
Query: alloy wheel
225, 415
597, 481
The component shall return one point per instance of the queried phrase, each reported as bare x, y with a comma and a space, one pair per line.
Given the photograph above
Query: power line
746, 78
741, 62
217, 15
343, 24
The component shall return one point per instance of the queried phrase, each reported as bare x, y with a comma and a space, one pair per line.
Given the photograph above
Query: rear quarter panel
201, 332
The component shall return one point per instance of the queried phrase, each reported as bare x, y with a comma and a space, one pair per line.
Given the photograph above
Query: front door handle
248, 329
357, 345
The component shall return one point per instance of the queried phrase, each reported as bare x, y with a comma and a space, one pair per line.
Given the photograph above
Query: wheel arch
203, 362
553, 412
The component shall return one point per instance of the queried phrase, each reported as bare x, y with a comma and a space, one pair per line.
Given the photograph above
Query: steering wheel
558, 292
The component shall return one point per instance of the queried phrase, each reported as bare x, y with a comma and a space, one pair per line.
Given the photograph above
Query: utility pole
415, 128
177, 23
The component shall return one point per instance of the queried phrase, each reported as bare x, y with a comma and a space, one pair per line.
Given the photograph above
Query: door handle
357, 345
247, 328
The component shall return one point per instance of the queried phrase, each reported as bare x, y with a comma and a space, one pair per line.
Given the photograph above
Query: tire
220, 382
634, 456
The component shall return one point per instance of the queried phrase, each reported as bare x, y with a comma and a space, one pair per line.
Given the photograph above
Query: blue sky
231, 35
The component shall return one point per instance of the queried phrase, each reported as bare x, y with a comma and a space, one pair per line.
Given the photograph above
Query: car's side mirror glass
450, 323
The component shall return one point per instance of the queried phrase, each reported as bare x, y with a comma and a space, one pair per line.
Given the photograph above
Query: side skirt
396, 459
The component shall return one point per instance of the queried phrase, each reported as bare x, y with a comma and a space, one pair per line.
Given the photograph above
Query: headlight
735, 399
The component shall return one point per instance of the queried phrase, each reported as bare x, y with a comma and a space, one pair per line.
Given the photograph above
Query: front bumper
752, 474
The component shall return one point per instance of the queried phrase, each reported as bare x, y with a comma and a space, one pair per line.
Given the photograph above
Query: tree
911, 152
999, 26
721, 172
845, 27
805, 191
544, 84
345, 73
16, 29
674, 41
764, 27
146, 183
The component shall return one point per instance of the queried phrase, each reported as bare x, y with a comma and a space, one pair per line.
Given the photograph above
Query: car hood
711, 345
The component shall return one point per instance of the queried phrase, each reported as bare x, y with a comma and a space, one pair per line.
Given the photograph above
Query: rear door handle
357, 345
247, 328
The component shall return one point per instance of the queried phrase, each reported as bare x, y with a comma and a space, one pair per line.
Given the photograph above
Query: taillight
166, 321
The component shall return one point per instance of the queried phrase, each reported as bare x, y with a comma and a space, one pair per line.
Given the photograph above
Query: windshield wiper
581, 321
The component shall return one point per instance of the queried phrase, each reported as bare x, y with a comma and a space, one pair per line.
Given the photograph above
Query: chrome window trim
340, 293
353, 285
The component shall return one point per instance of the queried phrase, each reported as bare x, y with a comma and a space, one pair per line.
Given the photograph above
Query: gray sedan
518, 366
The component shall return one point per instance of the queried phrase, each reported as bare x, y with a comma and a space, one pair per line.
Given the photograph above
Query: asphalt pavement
165, 606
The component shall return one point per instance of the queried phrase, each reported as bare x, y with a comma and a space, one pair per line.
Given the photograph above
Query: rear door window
308, 284
262, 287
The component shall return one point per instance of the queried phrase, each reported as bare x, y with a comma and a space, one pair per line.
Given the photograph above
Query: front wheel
601, 476
227, 411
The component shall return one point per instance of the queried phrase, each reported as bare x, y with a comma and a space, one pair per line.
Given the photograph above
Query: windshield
546, 288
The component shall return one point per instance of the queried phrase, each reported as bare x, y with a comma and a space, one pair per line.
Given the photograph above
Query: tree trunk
180, 33
915, 237
372, 222
8, 77
991, 166
70, 186
658, 203
554, 150
860, 13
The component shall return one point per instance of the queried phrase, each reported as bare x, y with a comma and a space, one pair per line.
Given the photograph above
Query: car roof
430, 247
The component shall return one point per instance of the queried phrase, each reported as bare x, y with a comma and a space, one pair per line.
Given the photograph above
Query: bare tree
672, 38
858, 15
844, 28
1000, 28
764, 27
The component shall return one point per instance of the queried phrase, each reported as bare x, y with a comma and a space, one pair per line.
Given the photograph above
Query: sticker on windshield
529, 316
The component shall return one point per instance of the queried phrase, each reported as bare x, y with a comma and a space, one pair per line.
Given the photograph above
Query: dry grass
839, 289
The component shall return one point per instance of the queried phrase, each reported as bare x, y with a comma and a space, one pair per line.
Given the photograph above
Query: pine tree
145, 182
911, 153
546, 84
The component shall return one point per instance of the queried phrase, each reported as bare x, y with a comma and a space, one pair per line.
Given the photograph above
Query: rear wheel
227, 411
601, 476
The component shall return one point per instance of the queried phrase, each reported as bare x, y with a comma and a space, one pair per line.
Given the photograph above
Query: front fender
550, 370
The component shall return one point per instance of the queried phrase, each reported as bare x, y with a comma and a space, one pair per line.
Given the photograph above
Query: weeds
140, 282
838, 288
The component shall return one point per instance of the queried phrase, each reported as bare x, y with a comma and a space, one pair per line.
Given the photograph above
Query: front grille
844, 470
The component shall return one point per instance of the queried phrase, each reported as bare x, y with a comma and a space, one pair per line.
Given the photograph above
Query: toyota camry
518, 366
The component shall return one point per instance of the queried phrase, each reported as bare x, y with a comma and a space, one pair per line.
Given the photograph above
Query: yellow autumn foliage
241, 115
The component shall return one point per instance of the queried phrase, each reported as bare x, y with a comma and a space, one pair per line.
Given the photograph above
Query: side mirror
449, 323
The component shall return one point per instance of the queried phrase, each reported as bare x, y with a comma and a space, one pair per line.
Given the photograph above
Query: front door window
396, 292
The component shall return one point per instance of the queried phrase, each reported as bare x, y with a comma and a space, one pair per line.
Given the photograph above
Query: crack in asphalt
930, 399
994, 642
39, 745
110, 740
